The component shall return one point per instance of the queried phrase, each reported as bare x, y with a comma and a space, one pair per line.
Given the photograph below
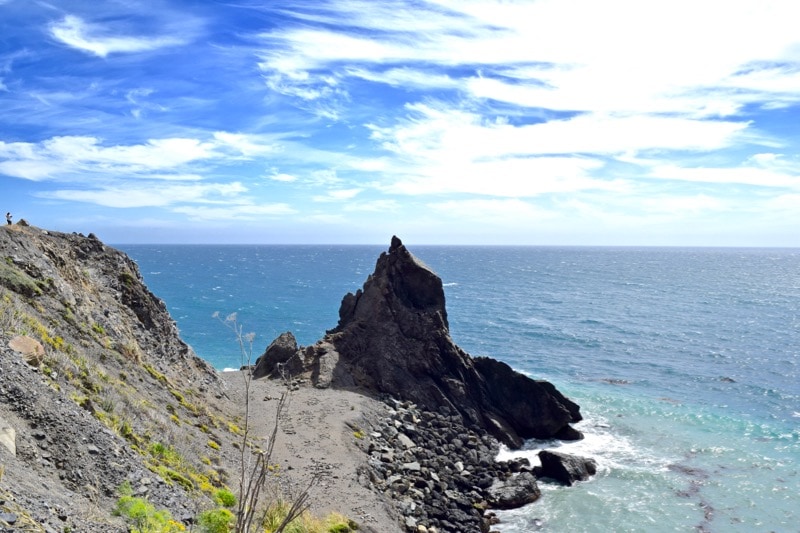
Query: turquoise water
684, 361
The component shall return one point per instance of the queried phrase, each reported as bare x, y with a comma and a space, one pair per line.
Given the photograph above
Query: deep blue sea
686, 362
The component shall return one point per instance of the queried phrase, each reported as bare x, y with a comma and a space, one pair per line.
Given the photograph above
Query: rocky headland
397, 426
448, 412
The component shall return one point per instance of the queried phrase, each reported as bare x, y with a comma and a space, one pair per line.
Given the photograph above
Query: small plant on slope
255, 467
142, 516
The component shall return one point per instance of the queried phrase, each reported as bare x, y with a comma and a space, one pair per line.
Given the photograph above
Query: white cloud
491, 211
738, 175
469, 134
323, 178
775, 162
620, 56
406, 77
373, 206
337, 195
61, 157
679, 206
785, 202
235, 211
510, 177
442, 150
282, 177
102, 41
34, 170
245, 144
149, 194
370, 164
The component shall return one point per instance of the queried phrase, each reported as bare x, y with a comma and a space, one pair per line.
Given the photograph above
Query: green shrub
225, 498
18, 281
215, 521
127, 278
306, 522
142, 516
165, 454
169, 475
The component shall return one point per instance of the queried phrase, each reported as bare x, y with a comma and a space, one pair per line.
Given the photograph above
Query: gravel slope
316, 436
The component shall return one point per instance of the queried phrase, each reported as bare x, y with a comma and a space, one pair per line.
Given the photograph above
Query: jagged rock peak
393, 338
395, 244
400, 281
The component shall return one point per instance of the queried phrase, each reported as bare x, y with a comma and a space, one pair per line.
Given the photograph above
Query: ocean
685, 361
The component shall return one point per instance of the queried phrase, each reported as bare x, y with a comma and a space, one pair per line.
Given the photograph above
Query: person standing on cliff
8, 218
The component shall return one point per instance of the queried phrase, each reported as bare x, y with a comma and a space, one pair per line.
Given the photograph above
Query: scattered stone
9, 518
8, 437
566, 468
406, 442
516, 491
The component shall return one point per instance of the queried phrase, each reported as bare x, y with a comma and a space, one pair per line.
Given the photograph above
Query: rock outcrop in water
393, 338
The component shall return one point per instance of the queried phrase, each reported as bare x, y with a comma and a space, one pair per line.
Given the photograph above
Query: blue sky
567, 122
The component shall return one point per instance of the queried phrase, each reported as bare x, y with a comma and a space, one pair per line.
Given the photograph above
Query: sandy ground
313, 438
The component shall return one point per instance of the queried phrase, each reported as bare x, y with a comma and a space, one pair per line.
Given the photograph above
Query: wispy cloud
236, 211
656, 88
665, 62
102, 40
337, 195
464, 117
59, 158
150, 194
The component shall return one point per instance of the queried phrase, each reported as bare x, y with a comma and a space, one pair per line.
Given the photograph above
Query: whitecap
601, 442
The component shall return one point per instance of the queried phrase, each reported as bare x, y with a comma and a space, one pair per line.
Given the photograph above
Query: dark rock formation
277, 358
393, 338
566, 468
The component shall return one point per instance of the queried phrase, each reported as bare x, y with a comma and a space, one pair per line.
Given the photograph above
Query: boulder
30, 349
566, 468
513, 492
277, 357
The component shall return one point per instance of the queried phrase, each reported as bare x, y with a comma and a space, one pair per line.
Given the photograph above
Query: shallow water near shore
684, 361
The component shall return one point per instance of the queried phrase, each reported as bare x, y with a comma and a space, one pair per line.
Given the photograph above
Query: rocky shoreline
444, 477
441, 475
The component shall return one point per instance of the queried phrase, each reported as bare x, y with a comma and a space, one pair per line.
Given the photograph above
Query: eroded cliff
97, 389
